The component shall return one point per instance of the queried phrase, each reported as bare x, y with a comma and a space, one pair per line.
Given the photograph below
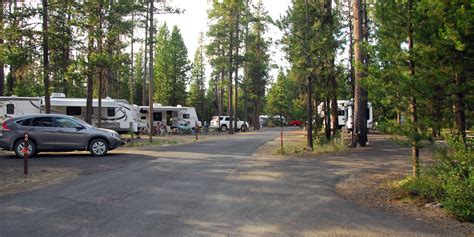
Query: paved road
209, 188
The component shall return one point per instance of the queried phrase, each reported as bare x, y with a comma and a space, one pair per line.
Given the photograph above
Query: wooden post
26, 153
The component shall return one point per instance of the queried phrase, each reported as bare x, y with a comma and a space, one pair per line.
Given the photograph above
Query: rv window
73, 110
111, 112
10, 108
368, 114
341, 112
157, 116
186, 116
42, 122
227, 119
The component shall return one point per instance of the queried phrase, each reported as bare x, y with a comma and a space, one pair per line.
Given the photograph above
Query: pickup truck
223, 124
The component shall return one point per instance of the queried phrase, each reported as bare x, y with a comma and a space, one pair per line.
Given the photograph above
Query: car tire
243, 128
18, 146
98, 147
224, 128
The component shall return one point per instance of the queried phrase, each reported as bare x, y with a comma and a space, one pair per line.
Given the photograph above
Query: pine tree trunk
101, 69
309, 86
230, 87
459, 107
2, 66
90, 77
151, 79
413, 106
360, 101
236, 76
47, 100
132, 68
145, 62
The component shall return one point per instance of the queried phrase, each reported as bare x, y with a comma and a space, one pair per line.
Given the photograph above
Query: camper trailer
12, 106
345, 113
170, 116
341, 111
189, 115
117, 115
370, 116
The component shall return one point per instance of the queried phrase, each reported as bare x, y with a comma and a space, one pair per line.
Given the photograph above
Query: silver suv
51, 132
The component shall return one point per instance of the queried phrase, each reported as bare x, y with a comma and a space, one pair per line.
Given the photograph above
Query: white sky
194, 20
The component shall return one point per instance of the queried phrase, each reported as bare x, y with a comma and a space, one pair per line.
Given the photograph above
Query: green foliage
450, 180
171, 67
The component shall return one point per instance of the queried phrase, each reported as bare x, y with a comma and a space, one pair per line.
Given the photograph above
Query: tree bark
90, 76
360, 101
101, 68
47, 101
132, 68
413, 106
151, 86
2, 65
236, 76
230, 87
145, 62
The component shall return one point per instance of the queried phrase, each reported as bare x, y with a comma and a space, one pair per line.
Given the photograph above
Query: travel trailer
341, 111
345, 113
172, 116
12, 106
117, 115
370, 116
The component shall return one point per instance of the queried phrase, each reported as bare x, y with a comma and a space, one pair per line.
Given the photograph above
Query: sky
194, 20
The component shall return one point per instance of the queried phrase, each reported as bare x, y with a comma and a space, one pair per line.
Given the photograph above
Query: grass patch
296, 147
449, 181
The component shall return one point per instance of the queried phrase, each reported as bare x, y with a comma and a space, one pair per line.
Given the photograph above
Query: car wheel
20, 146
224, 128
98, 147
244, 128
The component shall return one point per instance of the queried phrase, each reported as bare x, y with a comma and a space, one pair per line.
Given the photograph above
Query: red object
295, 123
5, 127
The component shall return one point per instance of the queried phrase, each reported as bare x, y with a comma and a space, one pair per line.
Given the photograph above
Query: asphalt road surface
214, 188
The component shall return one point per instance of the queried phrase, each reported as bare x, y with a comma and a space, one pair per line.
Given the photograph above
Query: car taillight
5, 127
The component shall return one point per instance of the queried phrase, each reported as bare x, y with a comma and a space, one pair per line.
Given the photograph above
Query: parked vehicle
169, 116
263, 120
117, 115
295, 123
53, 132
369, 113
222, 123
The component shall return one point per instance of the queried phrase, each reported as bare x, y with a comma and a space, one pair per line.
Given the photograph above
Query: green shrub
449, 181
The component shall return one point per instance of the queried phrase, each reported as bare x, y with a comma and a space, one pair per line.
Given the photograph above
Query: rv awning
144, 109
79, 102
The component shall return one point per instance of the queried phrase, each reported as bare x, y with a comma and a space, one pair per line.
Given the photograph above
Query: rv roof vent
13, 96
58, 95
156, 105
179, 106
108, 97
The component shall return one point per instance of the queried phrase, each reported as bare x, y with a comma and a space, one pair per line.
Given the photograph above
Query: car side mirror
79, 127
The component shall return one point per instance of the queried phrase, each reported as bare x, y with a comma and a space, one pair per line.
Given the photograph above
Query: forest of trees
412, 59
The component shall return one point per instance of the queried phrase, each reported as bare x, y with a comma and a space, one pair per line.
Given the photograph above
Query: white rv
12, 106
345, 113
341, 111
172, 116
370, 116
117, 115
189, 115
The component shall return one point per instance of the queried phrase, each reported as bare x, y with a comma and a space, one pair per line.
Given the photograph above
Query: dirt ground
59, 169
371, 185
12, 180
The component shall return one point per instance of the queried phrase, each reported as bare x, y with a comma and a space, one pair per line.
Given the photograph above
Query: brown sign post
26, 152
